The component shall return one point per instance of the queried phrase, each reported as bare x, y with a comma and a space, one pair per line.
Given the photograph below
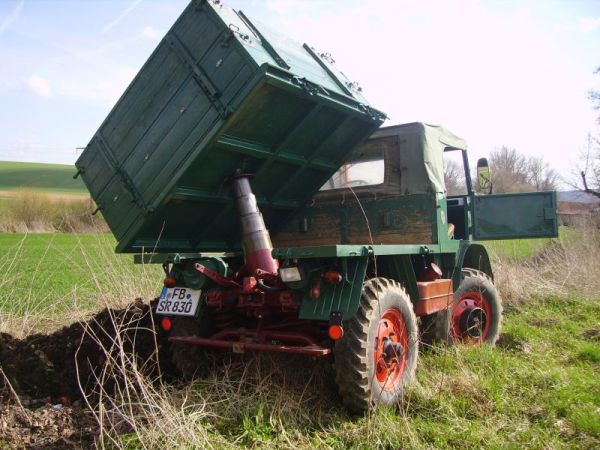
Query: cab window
363, 171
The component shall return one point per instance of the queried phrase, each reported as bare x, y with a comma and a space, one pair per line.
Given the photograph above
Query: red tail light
336, 332
166, 323
170, 282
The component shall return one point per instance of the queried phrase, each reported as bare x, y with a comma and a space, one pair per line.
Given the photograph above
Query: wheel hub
473, 321
392, 351
391, 340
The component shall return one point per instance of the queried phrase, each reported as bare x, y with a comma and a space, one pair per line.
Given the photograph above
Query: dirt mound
43, 377
48, 427
52, 366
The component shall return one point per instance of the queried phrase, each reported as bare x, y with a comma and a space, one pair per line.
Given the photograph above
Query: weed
33, 211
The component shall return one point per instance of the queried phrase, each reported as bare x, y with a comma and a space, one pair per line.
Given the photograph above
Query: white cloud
39, 86
149, 32
12, 16
121, 16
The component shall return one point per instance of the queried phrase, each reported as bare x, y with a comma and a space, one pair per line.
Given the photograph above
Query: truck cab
392, 191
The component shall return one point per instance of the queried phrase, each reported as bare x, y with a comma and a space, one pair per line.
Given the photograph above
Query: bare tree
541, 176
454, 178
587, 170
514, 172
594, 96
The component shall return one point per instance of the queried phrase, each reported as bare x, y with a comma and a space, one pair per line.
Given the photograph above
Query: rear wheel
377, 356
188, 359
475, 315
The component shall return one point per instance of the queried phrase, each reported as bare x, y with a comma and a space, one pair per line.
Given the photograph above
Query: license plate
178, 301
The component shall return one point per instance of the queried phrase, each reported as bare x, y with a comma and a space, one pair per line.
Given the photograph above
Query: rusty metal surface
434, 296
240, 347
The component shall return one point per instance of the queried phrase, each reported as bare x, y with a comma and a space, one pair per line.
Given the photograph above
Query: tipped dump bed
219, 96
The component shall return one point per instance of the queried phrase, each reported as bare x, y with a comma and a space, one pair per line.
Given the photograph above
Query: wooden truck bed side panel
394, 220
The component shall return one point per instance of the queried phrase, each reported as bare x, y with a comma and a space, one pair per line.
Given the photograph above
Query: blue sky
495, 72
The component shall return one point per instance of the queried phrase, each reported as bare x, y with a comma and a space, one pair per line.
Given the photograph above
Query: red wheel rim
471, 318
391, 349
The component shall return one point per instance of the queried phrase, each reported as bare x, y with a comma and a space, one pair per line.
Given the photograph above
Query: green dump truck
230, 128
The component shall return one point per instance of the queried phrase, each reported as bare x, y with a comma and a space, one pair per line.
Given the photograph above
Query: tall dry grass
107, 281
34, 211
567, 267
282, 402
242, 401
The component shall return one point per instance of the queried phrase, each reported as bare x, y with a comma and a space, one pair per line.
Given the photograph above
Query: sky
495, 72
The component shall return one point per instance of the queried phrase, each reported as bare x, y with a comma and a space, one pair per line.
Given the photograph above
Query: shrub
33, 211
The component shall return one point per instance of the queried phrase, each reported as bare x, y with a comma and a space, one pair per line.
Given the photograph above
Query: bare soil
43, 377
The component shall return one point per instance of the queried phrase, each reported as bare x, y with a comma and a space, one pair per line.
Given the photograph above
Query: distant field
51, 178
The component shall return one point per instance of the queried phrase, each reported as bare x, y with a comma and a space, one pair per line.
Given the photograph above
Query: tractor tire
474, 317
188, 359
377, 356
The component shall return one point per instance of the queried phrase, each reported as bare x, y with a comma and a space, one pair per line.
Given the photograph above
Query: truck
286, 219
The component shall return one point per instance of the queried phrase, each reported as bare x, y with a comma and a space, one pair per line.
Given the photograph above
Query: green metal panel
399, 268
343, 297
218, 95
514, 216
345, 251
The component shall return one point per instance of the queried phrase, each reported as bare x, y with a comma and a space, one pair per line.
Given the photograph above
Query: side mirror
483, 176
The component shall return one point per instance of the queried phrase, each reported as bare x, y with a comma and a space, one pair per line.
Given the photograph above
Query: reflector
332, 277
166, 323
336, 332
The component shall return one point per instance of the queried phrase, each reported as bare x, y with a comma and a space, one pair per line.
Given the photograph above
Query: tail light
166, 323
336, 332
170, 282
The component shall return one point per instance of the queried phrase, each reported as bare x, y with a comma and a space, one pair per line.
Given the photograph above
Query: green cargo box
220, 95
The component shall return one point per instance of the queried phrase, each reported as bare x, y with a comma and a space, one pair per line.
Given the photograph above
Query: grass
45, 198
49, 276
53, 178
516, 249
520, 249
537, 389
33, 211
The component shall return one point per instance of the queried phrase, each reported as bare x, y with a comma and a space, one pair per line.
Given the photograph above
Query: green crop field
538, 388
46, 275
52, 178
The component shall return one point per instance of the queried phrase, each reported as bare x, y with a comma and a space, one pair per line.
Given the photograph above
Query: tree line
510, 170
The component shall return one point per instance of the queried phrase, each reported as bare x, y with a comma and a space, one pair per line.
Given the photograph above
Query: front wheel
377, 356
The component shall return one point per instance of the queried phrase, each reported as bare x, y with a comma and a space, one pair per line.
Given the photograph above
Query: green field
537, 389
48, 274
52, 178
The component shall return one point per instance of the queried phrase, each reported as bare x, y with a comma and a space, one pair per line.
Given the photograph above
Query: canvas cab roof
421, 148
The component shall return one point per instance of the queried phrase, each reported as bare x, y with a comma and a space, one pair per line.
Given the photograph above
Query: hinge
136, 196
198, 74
